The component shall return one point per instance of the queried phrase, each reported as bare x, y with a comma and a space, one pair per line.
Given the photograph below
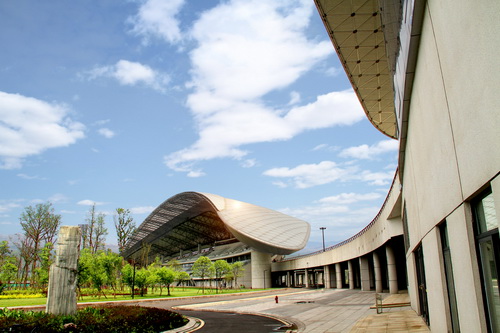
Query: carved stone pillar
61, 297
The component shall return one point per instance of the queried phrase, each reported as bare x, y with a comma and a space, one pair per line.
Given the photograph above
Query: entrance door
422, 287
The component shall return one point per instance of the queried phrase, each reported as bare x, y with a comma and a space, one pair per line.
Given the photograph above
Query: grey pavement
314, 311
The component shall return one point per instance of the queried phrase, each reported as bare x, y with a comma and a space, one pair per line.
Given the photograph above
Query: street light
323, 233
133, 277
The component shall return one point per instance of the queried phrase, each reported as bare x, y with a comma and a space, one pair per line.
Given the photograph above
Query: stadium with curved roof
191, 224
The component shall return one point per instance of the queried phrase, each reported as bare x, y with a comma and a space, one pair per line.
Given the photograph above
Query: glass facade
488, 244
450, 283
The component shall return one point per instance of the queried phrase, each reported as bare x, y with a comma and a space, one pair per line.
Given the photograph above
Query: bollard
378, 303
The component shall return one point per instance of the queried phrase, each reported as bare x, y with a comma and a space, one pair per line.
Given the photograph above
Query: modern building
191, 224
426, 73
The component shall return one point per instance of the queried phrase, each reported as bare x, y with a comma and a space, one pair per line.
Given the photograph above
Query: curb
194, 324
294, 326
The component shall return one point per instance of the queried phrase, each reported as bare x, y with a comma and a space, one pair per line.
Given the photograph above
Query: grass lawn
177, 292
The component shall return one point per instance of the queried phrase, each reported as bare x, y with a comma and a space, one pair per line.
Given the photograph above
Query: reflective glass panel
490, 269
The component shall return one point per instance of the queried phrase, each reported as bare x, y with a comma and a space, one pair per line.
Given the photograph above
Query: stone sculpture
61, 297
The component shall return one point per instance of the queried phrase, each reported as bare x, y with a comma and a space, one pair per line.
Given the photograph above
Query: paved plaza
322, 311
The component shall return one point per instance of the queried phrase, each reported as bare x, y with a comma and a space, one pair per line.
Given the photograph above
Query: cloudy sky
127, 103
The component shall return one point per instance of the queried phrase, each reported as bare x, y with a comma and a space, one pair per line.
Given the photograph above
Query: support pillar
61, 296
351, 274
338, 273
288, 279
295, 282
378, 273
391, 269
327, 277
306, 277
365, 274
261, 270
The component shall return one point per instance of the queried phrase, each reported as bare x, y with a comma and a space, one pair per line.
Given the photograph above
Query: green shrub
119, 319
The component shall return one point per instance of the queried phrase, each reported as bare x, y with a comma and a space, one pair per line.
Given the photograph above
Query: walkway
326, 311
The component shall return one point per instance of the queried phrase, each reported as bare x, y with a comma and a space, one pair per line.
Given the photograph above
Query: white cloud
348, 198
89, 203
58, 197
326, 147
7, 206
28, 177
334, 71
157, 18
249, 163
142, 210
370, 152
309, 175
294, 98
195, 174
106, 132
29, 126
377, 178
232, 70
325, 172
223, 132
102, 122
130, 73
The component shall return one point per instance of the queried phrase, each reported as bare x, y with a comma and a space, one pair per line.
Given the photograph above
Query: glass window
488, 244
450, 283
486, 214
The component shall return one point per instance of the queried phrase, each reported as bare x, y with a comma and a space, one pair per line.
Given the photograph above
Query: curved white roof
262, 228
190, 219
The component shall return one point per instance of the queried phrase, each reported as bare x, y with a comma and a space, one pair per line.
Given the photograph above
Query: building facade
437, 75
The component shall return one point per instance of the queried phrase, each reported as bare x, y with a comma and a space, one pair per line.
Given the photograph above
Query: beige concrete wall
452, 149
454, 112
261, 270
468, 43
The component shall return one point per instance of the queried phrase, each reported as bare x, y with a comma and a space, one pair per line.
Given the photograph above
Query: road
224, 322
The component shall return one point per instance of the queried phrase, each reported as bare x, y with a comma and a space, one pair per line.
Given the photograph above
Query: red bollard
276, 299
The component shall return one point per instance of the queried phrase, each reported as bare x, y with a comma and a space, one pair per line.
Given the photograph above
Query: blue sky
127, 103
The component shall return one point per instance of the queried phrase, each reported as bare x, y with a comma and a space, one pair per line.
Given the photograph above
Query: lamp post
323, 233
133, 278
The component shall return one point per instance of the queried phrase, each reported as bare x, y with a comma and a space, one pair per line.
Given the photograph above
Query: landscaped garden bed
126, 319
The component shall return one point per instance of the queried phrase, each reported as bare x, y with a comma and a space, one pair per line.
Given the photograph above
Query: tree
125, 227
182, 277
174, 265
111, 264
94, 232
237, 270
221, 268
40, 225
128, 275
202, 268
92, 270
8, 269
41, 274
141, 279
166, 277
144, 254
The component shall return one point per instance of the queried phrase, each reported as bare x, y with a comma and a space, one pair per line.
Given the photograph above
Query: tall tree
221, 268
144, 254
40, 225
237, 270
8, 269
166, 277
203, 268
125, 227
94, 233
